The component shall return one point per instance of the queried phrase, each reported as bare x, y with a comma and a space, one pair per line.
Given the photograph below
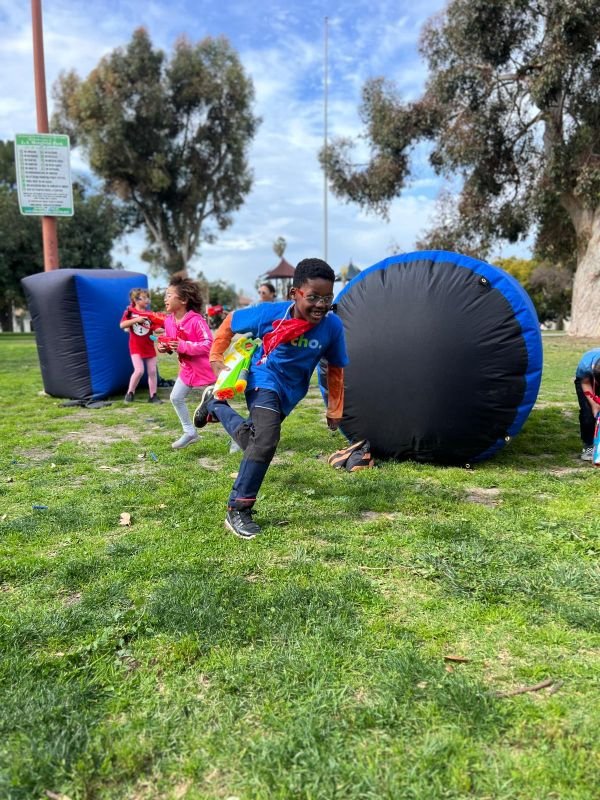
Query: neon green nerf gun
237, 359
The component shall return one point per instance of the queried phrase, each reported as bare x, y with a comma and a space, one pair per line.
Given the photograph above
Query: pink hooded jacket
195, 339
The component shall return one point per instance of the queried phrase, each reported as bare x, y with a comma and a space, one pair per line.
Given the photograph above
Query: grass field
169, 659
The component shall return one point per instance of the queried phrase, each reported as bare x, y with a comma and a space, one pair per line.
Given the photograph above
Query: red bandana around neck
284, 330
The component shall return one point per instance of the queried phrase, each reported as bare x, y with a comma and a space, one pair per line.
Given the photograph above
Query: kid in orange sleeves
295, 335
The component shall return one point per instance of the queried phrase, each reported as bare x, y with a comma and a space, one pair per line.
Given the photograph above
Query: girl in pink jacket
187, 334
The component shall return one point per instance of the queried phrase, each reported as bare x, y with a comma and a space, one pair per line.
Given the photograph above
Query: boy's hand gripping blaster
233, 380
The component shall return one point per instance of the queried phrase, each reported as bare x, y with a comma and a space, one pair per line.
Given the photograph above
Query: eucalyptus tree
512, 106
169, 137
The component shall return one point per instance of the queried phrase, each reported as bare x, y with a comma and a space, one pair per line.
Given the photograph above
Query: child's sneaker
155, 399
587, 454
129, 397
338, 459
201, 414
185, 440
234, 447
240, 522
361, 458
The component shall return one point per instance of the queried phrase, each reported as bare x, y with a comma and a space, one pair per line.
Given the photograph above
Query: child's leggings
138, 373
258, 436
178, 396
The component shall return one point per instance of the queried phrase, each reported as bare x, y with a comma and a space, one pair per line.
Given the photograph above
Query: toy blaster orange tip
240, 386
224, 394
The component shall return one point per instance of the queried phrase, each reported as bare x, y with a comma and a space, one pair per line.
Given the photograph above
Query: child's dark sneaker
201, 414
340, 457
361, 458
155, 399
129, 398
240, 522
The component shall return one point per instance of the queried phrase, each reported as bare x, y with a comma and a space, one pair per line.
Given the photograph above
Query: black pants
587, 422
258, 436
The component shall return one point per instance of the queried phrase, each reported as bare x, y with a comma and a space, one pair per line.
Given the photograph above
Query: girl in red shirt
141, 346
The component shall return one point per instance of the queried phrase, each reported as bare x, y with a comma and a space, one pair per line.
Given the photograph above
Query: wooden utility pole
325, 135
49, 234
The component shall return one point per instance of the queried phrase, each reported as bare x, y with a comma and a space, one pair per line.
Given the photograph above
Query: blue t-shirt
584, 368
289, 367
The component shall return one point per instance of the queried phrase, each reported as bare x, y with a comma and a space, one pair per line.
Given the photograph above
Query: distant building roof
283, 270
244, 300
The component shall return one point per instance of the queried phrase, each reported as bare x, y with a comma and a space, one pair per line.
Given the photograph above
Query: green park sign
44, 174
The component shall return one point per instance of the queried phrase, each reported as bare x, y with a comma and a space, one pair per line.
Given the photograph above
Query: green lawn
169, 659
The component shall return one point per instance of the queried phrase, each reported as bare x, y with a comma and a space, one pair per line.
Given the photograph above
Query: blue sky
282, 48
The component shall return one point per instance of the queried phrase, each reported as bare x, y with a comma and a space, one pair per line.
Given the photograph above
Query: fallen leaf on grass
125, 518
457, 659
233, 474
56, 796
10, 480
522, 689
3, 517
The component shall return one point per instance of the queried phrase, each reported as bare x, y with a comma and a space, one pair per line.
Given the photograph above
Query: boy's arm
335, 401
221, 342
588, 390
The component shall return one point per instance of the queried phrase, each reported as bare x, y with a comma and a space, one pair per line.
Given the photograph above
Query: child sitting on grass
190, 337
295, 336
587, 386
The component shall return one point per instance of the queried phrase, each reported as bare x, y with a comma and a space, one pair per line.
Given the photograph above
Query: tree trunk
585, 306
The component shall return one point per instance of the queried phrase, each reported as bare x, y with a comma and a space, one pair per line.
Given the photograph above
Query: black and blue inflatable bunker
445, 357
83, 353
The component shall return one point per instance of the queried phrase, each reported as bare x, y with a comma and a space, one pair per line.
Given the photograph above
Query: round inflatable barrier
445, 357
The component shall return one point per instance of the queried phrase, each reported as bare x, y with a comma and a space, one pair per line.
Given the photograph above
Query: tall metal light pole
325, 138
49, 235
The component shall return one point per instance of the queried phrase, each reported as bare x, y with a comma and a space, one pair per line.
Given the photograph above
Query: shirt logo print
302, 341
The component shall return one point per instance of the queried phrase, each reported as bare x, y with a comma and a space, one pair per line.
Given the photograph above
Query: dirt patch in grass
35, 454
559, 471
375, 515
486, 497
210, 464
284, 457
95, 434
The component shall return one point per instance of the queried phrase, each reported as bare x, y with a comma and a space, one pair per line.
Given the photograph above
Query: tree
222, 294
85, 240
550, 287
169, 138
511, 105
279, 246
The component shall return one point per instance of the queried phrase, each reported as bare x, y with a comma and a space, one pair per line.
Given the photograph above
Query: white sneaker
587, 454
185, 440
234, 447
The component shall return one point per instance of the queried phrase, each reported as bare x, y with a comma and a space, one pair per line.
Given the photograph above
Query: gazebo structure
281, 278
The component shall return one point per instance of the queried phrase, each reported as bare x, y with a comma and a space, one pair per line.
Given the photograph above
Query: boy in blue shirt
587, 386
295, 335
